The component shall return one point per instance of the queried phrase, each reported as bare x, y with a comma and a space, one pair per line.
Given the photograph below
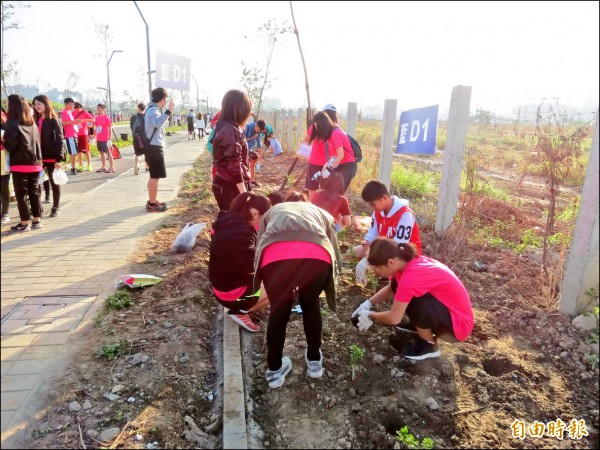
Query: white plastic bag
60, 177
186, 239
361, 272
304, 150
43, 177
136, 280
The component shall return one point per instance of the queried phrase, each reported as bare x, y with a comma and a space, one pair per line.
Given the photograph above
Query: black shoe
55, 212
421, 350
73, 171
20, 227
47, 199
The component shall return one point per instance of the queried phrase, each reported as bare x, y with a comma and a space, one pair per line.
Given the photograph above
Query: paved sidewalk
55, 279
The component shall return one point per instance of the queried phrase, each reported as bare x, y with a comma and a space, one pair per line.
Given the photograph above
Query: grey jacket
155, 119
301, 221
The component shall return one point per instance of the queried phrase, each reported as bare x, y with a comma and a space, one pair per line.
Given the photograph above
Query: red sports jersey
395, 226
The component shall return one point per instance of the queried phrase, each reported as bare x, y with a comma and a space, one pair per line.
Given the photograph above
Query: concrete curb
234, 405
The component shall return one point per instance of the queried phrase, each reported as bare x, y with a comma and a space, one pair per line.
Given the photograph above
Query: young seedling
406, 437
357, 354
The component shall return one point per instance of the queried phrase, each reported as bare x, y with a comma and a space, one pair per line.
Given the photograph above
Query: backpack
356, 148
140, 139
190, 120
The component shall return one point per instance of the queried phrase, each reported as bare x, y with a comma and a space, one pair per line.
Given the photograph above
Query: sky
510, 53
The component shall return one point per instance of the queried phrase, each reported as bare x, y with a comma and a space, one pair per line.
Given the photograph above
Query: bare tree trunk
262, 89
297, 33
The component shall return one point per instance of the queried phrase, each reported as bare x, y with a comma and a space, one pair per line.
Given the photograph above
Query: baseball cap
330, 107
69, 100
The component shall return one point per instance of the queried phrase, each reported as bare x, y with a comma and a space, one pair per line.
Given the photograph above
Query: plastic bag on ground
136, 280
186, 239
361, 272
60, 177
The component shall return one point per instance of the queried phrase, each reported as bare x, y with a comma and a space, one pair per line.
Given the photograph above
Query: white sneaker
5, 219
315, 368
136, 169
276, 378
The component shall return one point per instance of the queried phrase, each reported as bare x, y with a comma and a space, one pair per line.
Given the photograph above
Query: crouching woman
428, 292
297, 258
231, 262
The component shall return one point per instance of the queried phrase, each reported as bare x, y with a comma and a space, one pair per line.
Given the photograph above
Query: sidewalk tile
6, 418
19, 382
30, 367
42, 352
11, 353
15, 326
51, 338
12, 400
17, 340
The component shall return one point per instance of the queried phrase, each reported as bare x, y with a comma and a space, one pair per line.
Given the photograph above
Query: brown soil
523, 361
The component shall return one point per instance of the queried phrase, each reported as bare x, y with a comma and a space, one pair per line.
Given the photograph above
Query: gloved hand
364, 321
364, 306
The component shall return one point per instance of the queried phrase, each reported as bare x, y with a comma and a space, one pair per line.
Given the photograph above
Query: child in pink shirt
103, 127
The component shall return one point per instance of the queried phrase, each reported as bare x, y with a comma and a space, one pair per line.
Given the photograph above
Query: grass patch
412, 184
113, 351
119, 300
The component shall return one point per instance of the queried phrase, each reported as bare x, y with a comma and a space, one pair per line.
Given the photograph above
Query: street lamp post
108, 79
147, 50
197, 95
206, 95
104, 89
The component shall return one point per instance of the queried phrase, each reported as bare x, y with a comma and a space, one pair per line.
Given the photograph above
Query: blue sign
418, 129
172, 71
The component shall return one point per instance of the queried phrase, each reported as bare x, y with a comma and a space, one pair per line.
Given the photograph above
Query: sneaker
136, 169
36, 225
55, 212
276, 378
20, 227
47, 199
73, 171
315, 368
80, 168
101, 170
157, 207
244, 321
89, 168
421, 350
5, 218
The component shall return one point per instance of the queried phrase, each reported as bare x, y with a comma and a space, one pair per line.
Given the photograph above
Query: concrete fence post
352, 111
290, 135
387, 140
280, 124
458, 122
301, 124
581, 271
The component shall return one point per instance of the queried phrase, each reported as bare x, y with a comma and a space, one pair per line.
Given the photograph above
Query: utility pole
147, 51
108, 79
197, 94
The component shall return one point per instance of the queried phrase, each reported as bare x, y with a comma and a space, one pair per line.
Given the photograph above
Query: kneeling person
428, 292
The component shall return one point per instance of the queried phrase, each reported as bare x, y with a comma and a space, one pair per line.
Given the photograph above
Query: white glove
364, 321
361, 271
364, 306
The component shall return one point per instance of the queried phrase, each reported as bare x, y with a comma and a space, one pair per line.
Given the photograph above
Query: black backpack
190, 120
140, 139
356, 149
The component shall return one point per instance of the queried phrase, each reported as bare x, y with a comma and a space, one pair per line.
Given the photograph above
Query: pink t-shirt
424, 275
83, 127
280, 251
103, 125
67, 116
337, 139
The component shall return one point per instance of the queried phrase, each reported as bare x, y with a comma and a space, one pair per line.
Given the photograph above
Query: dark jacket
232, 247
134, 119
23, 144
52, 140
230, 153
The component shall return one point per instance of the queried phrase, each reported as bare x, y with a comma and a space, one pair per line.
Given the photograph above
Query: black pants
50, 182
27, 184
285, 281
5, 190
429, 313
225, 192
348, 172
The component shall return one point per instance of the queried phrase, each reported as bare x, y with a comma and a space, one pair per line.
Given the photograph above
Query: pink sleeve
337, 138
